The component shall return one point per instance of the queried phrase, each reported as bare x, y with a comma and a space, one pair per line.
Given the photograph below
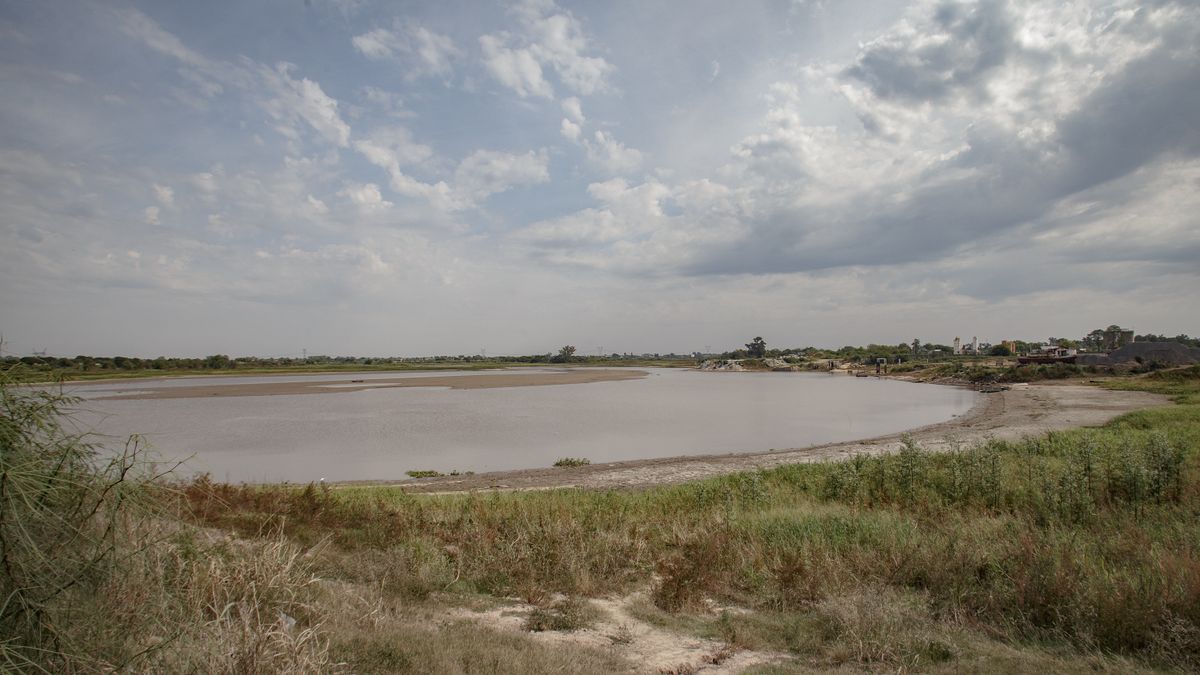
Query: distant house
1049, 354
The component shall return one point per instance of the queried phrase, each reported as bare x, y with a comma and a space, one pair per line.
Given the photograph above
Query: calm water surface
382, 433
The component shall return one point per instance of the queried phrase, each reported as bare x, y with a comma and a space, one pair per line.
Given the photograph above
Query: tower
957, 346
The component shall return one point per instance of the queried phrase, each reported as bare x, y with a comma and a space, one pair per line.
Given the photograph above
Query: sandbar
292, 387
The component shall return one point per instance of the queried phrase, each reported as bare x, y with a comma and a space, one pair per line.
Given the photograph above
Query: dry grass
96, 576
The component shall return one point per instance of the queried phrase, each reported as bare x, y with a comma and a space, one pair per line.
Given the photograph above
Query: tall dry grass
96, 576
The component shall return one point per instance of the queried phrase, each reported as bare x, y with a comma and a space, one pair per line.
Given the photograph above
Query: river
381, 433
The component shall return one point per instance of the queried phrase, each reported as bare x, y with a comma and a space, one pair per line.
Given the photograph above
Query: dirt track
1025, 410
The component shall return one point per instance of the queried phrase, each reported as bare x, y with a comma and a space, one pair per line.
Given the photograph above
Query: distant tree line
756, 348
93, 364
1181, 338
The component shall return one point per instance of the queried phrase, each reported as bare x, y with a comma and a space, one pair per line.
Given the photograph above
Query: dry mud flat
1025, 410
293, 387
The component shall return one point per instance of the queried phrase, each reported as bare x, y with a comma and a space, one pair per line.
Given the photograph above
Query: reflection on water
380, 434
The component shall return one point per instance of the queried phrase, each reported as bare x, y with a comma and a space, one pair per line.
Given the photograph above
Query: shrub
572, 461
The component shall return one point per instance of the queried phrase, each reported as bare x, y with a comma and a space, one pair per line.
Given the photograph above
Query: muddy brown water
379, 433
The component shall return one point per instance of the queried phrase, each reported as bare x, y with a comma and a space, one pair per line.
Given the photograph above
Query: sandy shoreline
1025, 410
473, 381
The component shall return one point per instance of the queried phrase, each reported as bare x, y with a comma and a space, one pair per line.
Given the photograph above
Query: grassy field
1073, 552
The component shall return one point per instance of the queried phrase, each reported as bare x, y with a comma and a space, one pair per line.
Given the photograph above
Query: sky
351, 177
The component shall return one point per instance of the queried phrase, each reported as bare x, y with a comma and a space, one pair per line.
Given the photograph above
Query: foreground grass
1085, 542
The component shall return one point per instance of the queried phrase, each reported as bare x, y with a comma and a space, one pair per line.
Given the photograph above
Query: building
957, 346
1049, 353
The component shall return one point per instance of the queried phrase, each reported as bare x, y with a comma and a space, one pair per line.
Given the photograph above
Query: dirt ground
1025, 410
652, 649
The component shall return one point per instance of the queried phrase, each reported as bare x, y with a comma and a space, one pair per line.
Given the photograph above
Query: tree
1000, 350
565, 354
757, 348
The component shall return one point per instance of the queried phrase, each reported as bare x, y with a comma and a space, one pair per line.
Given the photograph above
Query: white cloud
293, 100
150, 215
366, 197
517, 69
317, 205
391, 103
570, 130
557, 39
419, 50
142, 27
205, 181
165, 195
548, 37
574, 109
612, 155
392, 149
485, 172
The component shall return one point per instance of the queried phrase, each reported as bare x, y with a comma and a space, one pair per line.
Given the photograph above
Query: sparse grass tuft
568, 614
572, 461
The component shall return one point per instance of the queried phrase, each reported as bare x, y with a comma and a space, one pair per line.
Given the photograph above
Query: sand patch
654, 649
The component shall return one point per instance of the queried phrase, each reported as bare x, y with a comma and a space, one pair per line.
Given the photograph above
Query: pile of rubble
1162, 353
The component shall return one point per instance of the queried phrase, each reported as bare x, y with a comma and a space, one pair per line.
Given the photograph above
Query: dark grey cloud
1141, 115
972, 41
1149, 109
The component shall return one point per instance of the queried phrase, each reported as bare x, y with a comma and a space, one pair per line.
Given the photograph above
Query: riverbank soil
1025, 410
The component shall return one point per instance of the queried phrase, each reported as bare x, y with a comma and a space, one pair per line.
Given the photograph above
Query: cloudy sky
378, 178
